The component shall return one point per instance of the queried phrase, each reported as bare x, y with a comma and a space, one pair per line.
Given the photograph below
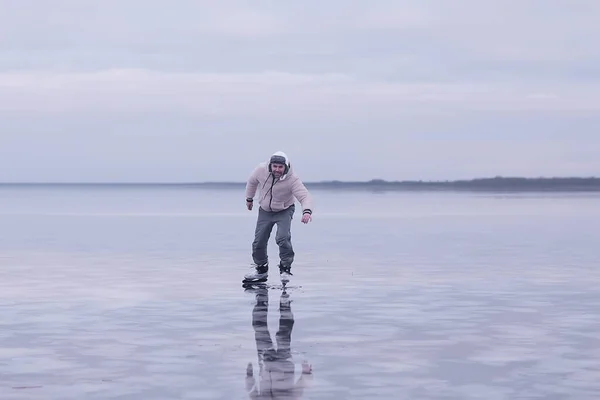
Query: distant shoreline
496, 184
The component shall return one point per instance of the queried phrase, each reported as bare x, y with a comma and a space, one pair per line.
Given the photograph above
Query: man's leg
264, 226
283, 237
262, 233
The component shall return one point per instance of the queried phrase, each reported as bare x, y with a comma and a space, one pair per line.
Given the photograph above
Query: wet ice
467, 298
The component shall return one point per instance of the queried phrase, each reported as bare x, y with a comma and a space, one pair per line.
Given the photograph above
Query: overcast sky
192, 90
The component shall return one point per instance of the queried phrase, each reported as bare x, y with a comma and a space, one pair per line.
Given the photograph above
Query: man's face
277, 169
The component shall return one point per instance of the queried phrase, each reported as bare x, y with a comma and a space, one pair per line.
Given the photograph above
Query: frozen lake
135, 293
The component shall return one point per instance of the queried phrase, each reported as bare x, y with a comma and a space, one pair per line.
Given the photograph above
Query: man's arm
252, 184
303, 195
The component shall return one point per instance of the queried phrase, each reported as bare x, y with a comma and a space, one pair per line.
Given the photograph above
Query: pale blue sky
131, 90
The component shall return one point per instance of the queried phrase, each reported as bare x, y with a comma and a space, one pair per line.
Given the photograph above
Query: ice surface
117, 294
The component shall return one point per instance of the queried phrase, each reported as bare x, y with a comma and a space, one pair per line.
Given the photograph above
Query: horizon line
330, 181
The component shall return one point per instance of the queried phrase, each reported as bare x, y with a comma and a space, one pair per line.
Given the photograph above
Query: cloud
467, 35
474, 86
272, 93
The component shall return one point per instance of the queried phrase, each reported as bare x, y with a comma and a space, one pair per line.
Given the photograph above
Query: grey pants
283, 237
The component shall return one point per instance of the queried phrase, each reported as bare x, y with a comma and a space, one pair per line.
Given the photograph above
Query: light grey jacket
277, 194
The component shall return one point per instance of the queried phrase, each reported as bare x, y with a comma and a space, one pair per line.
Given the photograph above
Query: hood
280, 155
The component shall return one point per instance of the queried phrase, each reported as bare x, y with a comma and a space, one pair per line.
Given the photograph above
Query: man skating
279, 188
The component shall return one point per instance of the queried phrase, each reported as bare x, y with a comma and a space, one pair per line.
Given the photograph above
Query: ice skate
285, 274
259, 273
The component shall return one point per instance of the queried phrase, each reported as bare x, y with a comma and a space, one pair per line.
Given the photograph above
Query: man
279, 187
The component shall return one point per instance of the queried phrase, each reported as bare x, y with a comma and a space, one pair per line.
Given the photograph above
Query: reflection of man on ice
276, 367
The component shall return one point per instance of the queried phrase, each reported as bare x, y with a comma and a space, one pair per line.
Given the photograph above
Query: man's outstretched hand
306, 218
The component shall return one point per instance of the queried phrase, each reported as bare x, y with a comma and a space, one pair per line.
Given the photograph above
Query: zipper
271, 199
270, 189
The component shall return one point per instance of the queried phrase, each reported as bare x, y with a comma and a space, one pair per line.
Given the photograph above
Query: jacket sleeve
303, 195
252, 184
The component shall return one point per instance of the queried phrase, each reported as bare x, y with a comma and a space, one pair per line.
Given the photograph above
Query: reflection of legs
259, 322
283, 237
262, 338
286, 324
264, 226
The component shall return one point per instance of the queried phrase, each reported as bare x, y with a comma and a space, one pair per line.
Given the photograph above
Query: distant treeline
485, 184
503, 184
